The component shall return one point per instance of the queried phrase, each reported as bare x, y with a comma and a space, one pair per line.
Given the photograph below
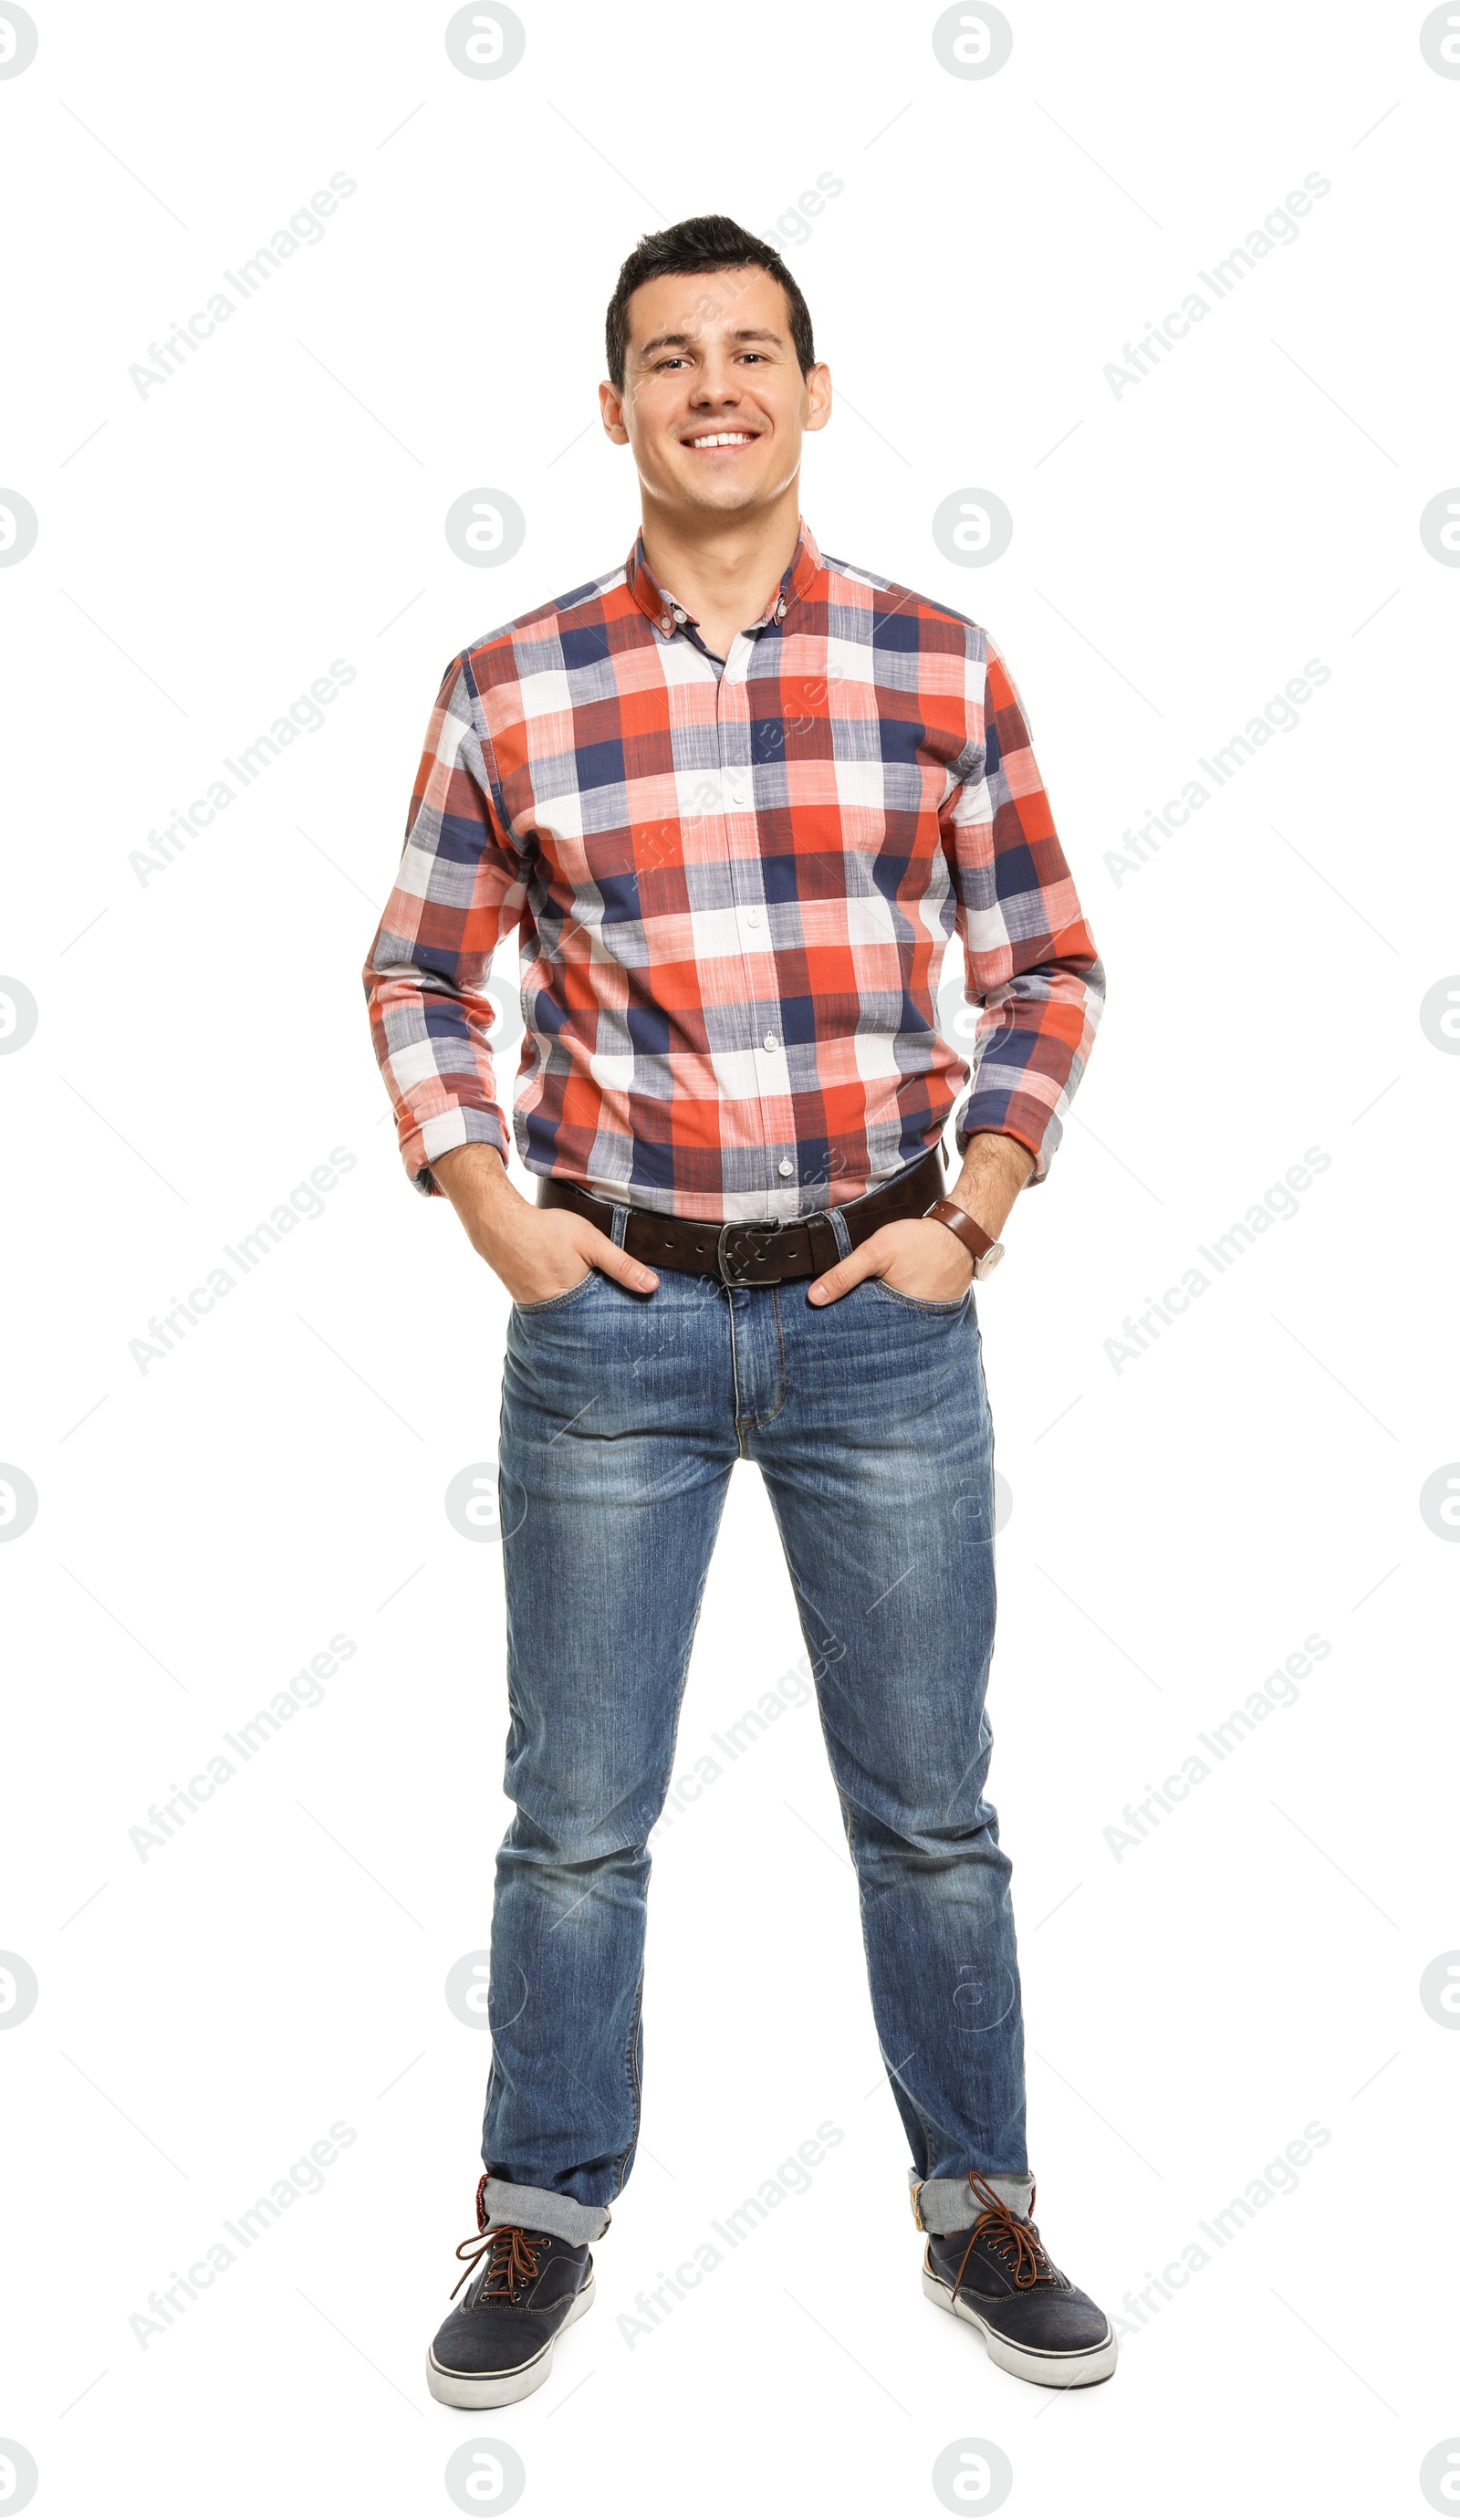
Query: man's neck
725, 571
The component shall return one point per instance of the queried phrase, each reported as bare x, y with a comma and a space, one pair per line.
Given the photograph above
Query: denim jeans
622, 1419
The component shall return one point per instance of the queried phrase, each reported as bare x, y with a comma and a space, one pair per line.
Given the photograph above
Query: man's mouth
723, 437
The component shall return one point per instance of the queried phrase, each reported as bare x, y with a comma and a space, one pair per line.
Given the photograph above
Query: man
735, 797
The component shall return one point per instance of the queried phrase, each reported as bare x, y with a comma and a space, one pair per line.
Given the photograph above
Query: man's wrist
983, 1250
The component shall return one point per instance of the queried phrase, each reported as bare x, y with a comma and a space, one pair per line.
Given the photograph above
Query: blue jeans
622, 1418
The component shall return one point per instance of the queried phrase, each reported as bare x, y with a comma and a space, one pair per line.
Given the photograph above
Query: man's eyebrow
686, 341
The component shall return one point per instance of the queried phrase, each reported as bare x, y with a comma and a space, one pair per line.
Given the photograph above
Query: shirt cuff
461, 1124
987, 1115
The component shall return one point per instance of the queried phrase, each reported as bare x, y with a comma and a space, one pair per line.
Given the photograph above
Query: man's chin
724, 494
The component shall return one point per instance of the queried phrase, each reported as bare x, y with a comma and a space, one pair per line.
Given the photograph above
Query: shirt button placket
738, 778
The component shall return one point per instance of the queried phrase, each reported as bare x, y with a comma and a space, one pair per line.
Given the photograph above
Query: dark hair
709, 244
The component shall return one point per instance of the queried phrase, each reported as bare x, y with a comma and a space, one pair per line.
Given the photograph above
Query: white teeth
726, 438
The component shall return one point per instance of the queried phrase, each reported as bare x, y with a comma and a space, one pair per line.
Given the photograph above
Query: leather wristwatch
986, 1253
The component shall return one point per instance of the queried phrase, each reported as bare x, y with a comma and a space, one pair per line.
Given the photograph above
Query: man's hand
911, 1256
920, 1257
537, 1252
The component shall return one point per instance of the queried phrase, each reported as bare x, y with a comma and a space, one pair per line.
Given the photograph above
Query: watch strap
959, 1222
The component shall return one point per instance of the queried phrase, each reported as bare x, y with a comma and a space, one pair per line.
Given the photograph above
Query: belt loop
620, 1225
838, 1224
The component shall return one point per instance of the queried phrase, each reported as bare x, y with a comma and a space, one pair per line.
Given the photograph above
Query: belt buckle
727, 1266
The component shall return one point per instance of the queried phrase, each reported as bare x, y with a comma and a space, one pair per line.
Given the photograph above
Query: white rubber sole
1046, 2370
501, 2388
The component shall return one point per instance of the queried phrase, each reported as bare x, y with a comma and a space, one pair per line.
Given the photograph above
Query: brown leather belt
753, 1255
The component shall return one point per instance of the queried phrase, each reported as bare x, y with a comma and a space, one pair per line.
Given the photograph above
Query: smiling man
736, 798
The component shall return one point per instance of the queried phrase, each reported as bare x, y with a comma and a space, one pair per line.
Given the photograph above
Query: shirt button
752, 918
740, 796
770, 1041
665, 624
785, 1166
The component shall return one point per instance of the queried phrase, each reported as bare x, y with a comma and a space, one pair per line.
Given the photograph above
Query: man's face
714, 403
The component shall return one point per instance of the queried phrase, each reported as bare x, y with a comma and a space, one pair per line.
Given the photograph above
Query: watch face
986, 1266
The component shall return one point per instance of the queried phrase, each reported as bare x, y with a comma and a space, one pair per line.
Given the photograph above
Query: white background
1179, 1525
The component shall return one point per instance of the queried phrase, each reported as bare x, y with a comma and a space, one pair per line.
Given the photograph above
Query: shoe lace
1018, 2243
509, 2256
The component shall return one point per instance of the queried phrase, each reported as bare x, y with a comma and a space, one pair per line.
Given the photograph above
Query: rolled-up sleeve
1029, 961
458, 890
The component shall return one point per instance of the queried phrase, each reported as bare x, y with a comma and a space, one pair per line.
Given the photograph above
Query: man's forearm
473, 1170
995, 1171
475, 1180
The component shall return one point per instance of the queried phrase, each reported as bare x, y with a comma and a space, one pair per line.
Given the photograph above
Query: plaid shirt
733, 887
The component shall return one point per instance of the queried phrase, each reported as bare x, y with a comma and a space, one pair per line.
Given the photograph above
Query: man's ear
612, 405
818, 395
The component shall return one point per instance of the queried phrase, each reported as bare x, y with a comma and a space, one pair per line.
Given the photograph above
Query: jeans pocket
553, 1303
921, 1303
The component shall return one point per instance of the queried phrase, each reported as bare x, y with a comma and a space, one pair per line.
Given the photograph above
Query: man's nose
717, 383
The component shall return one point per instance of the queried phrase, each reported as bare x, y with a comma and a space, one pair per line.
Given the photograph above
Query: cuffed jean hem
537, 2209
944, 2205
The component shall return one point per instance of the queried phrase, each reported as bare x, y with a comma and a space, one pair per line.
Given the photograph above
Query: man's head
713, 373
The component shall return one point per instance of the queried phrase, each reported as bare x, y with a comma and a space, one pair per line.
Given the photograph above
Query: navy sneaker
523, 2288
1000, 2279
